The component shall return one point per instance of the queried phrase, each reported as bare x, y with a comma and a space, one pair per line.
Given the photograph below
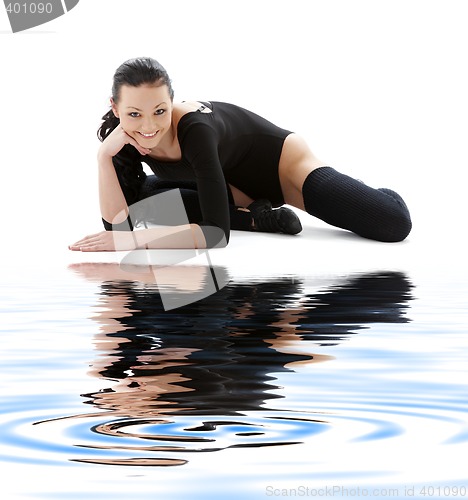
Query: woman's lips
148, 136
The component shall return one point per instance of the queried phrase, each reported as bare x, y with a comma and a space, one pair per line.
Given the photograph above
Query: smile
148, 136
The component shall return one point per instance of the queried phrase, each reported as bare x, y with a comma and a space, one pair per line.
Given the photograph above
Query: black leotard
229, 145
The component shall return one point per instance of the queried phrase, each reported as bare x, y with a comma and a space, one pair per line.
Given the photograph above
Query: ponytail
109, 123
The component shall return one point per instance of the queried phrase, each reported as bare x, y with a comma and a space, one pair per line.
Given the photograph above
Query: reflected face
145, 113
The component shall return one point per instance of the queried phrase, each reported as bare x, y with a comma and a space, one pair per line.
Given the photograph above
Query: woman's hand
106, 241
116, 140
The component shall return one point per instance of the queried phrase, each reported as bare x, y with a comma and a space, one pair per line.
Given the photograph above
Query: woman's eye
134, 114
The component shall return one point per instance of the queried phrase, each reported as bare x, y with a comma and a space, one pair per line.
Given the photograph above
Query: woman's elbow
215, 236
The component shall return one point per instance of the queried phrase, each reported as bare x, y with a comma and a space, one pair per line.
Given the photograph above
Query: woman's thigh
153, 185
296, 162
240, 198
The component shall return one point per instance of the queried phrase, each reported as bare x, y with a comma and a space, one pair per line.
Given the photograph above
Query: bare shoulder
180, 109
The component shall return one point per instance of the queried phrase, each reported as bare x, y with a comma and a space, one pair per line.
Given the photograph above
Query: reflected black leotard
230, 145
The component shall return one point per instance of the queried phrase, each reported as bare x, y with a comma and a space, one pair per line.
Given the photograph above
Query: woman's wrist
104, 158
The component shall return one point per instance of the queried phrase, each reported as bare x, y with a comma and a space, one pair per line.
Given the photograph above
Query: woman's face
145, 113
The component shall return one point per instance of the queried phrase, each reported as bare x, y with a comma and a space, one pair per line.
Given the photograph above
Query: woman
230, 165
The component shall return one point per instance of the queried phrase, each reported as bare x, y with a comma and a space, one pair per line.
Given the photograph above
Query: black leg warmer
340, 200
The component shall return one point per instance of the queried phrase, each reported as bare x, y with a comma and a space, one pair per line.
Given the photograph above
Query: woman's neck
168, 149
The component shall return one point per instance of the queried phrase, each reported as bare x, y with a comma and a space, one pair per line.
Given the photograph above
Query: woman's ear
114, 108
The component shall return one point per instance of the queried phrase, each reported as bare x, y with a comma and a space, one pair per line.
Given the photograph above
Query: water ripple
170, 441
54, 439
241, 369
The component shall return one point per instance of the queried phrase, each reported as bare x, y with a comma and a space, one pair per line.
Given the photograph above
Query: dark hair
134, 72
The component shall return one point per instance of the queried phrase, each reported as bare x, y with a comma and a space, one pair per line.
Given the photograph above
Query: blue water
312, 386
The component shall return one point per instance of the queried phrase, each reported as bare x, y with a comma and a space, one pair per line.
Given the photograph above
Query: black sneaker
269, 220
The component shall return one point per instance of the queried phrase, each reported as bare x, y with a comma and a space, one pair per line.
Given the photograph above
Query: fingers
106, 241
134, 143
86, 239
91, 243
92, 248
118, 139
141, 150
88, 247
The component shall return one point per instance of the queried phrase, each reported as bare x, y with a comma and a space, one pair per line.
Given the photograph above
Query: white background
377, 87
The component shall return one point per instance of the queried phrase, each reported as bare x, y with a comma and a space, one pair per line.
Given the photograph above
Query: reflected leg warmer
344, 202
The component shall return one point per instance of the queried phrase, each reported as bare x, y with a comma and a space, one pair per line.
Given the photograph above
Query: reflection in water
216, 357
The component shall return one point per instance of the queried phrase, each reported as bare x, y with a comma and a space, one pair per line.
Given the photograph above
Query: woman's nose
149, 126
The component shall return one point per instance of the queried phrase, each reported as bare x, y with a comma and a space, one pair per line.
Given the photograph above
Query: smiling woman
147, 125
230, 166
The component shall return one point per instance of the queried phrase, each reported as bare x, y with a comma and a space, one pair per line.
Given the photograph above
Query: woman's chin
147, 144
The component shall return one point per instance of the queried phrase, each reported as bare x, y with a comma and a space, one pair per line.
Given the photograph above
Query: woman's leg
378, 214
239, 198
258, 216
264, 217
241, 219
340, 200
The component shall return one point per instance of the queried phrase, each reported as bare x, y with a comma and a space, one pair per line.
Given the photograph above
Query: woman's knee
342, 201
399, 224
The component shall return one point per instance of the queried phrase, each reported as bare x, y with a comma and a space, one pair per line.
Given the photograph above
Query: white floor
319, 250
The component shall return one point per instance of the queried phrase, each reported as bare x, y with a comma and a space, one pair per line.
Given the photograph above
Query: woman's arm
114, 209
213, 231
199, 143
186, 236
113, 205
112, 202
